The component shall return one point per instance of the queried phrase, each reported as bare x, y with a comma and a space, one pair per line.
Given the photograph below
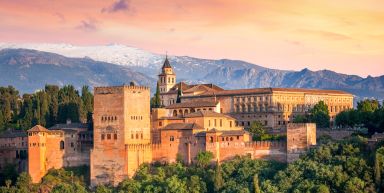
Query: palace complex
126, 132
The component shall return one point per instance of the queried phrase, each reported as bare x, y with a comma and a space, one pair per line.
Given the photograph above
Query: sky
341, 35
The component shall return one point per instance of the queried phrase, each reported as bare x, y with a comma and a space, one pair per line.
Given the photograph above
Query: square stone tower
300, 137
121, 133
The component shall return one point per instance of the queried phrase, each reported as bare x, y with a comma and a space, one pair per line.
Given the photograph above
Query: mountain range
30, 66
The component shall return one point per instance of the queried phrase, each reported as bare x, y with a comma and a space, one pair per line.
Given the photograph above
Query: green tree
196, 185
203, 158
300, 119
24, 183
320, 115
218, 180
179, 94
257, 129
156, 100
321, 189
175, 185
130, 186
87, 103
104, 189
368, 105
256, 183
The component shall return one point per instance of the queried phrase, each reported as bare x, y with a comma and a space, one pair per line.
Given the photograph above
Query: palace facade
273, 107
127, 132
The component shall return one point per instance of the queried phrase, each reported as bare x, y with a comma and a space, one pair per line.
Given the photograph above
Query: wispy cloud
87, 25
325, 34
60, 17
118, 5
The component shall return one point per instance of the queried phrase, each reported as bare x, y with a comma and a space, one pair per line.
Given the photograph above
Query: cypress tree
218, 180
179, 94
157, 102
256, 183
377, 172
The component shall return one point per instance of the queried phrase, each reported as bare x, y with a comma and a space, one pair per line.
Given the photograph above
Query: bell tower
167, 77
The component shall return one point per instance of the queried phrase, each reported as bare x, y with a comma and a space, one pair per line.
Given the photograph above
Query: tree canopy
46, 107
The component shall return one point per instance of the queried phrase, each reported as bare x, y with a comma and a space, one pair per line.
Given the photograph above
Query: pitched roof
69, 126
270, 91
193, 104
223, 132
182, 126
13, 134
206, 114
38, 128
166, 63
193, 87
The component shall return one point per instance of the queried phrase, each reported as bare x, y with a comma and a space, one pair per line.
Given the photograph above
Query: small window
171, 138
230, 123
115, 136
141, 136
160, 123
72, 144
61, 145
102, 136
108, 136
137, 136
132, 136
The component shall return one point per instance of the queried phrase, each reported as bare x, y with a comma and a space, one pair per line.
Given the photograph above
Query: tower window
61, 145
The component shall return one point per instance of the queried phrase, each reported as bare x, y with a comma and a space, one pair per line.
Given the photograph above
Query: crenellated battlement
266, 144
136, 147
118, 89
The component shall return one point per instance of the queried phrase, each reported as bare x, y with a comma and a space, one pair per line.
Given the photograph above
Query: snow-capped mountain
144, 67
113, 53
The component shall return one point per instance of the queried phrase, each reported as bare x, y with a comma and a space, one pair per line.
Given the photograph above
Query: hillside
29, 70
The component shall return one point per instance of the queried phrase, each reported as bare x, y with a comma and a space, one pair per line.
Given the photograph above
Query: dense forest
46, 107
350, 166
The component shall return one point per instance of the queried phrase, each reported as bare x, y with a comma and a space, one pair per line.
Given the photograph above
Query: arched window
175, 113
211, 139
61, 145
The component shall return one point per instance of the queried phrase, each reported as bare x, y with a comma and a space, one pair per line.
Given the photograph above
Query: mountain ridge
229, 74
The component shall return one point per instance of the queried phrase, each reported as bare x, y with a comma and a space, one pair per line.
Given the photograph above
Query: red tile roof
193, 104
270, 91
38, 128
182, 126
206, 114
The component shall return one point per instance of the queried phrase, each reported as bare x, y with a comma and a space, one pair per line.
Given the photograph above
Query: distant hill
29, 70
143, 67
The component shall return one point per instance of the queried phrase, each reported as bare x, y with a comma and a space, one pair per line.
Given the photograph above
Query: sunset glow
344, 36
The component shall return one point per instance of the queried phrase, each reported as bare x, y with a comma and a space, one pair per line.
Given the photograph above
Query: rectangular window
221, 122
215, 123
115, 136
160, 124
108, 136
102, 136
209, 123
230, 123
